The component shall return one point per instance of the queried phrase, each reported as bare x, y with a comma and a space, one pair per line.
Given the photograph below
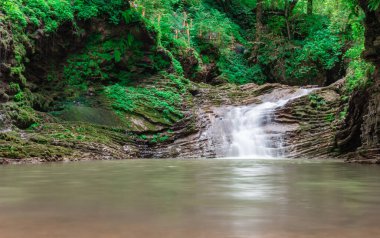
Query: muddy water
190, 199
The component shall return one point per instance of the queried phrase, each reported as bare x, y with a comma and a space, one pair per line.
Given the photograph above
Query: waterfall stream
250, 131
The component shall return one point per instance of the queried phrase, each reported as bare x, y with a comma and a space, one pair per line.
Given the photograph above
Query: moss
52, 140
158, 105
16, 151
157, 138
92, 115
101, 60
21, 115
13, 145
10, 136
330, 117
316, 101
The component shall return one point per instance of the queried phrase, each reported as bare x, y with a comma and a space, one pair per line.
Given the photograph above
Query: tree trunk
289, 7
226, 4
259, 29
309, 7
259, 19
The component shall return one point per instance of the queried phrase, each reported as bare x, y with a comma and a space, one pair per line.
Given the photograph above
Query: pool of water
190, 199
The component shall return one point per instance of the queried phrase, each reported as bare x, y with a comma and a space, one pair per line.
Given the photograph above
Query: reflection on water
190, 198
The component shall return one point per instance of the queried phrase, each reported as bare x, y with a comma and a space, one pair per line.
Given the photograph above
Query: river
190, 198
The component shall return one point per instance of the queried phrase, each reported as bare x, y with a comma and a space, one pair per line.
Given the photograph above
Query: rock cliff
360, 135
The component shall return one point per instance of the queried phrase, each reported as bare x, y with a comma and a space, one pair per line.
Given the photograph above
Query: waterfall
249, 137
250, 131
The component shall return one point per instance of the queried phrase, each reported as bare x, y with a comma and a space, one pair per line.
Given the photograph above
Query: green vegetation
99, 60
163, 104
300, 46
359, 71
330, 118
156, 138
316, 101
145, 60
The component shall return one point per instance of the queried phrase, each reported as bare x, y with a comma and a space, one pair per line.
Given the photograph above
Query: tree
374, 4
309, 7
259, 28
289, 7
226, 4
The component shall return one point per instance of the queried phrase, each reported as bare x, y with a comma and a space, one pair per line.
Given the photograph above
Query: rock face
307, 124
362, 126
310, 120
192, 139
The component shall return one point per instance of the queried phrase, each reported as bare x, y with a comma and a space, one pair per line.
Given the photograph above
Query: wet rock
348, 137
309, 131
3, 97
194, 91
208, 74
201, 140
4, 161
249, 87
189, 62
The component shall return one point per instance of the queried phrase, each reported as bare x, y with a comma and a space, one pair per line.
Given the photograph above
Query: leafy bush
316, 101
99, 59
359, 71
236, 69
322, 47
25, 16
132, 99
330, 117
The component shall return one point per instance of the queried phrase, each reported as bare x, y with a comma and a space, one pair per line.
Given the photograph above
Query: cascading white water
248, 135
249, 131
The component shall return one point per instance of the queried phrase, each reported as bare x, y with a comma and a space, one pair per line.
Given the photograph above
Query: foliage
343, 114
316, 101
359, 71
25, 16
19, 97
322, 47
359, 74
316, 47
156, 138
99, 61
136, 99
374, 4
330, 117
316, 44
236, 69
185, 24
293, 49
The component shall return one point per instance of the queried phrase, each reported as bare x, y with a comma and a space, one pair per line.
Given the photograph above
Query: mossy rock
140, 124
91, 115
22, 116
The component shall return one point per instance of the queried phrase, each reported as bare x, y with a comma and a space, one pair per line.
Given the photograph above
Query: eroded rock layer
362, 126
307, 124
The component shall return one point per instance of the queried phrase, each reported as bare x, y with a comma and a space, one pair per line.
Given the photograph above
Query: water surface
190, 199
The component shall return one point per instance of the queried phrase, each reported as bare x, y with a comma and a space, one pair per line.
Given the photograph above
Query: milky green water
190, 198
